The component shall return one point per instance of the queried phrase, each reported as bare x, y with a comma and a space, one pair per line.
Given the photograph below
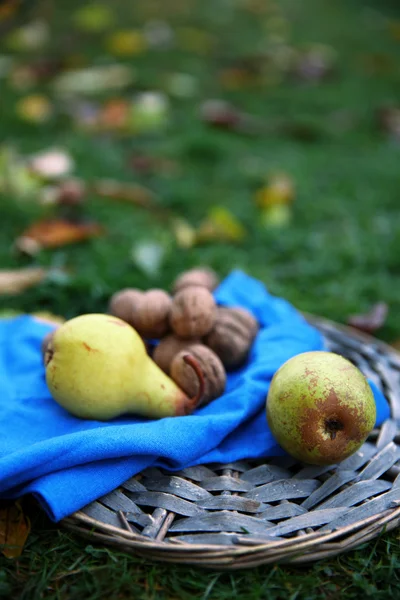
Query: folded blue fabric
67, 462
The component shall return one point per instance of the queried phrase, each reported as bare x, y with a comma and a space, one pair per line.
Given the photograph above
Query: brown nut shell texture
168, 348
211, 366
232, 335
193, 312
202, 276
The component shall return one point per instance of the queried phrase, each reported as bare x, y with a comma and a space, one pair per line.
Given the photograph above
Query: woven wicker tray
248, 513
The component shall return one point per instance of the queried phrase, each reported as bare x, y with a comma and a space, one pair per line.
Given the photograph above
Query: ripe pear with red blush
320, 407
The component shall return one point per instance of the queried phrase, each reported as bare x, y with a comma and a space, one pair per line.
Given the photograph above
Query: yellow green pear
320, 407
97, 368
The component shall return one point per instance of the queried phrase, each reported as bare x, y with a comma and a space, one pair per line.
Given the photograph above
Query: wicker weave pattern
249, 513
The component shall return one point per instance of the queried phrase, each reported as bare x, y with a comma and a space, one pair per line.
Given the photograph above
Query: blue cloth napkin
67, 462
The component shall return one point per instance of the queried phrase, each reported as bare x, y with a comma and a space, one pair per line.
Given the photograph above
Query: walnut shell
193, 312
123, 302
211, 366
150, 316
168, 348
232, 335
203, 277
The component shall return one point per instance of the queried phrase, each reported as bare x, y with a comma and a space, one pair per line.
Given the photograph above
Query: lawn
334, 252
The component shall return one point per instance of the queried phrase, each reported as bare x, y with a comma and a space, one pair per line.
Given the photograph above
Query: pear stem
190, 360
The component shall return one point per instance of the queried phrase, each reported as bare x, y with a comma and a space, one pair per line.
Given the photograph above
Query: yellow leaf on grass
185, 234
34, 108
93, 17
17, 280
276, 216
126, 43
221, 225
279, 190
14, 530
30, 37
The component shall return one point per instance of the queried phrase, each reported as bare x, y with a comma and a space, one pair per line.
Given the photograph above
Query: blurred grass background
337, 254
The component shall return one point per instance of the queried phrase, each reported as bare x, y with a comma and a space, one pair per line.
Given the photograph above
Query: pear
320, 407
97, 368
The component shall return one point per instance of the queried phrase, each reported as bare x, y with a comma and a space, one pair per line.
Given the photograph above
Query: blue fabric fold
68, 462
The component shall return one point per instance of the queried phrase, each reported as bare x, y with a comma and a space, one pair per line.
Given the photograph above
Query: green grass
339, 255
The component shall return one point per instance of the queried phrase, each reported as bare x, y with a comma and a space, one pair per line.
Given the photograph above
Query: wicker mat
248, 513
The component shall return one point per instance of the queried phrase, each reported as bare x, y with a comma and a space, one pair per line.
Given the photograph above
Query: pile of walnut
189, 321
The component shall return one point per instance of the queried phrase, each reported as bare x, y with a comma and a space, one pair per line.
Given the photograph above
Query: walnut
212, 368
123, 302
151, 314
168, 348
232, 335
202, 277
193, 312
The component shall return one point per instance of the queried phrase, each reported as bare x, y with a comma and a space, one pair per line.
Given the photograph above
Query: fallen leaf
221, 114
147, 164
279, 190
8, 8
31, 37
276, 216
93, 80
130, 193
54, 234
14, 530
17, 280
114, 114
372, 320
51, 164
16, 180
149, 112
185, 234
93, 17
126, 43
148, 256
34, 108
220, 225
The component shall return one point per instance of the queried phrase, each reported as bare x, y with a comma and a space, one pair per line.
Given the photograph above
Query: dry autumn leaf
18, 280
220, 225
127, 42
372, 320
279, 190
34, 109
55, 233
93, 17
14, 530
